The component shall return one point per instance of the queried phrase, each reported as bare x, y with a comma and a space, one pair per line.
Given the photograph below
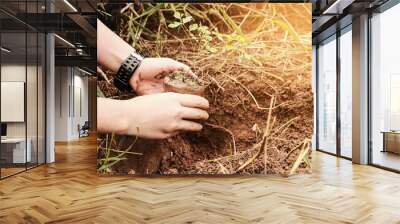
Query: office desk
391, 141
13, 150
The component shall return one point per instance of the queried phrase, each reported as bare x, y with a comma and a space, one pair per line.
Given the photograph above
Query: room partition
22, 77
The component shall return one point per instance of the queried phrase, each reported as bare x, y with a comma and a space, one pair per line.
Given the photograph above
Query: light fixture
5, 50
86, 72
65, 41
70, 5
79, 51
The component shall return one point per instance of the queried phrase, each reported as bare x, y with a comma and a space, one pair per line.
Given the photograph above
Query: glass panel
346, 93
13, 87
386, 89
41, 99
39, 7
14, 151
32, 88
327, 96
23, 87
31, 99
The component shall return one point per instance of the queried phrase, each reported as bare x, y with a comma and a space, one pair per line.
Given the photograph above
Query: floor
5, 172
69, 191
10, 171
387, 159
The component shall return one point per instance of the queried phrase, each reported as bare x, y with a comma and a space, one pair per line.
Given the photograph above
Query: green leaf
193, 27
174, 24
177, 15
187, 19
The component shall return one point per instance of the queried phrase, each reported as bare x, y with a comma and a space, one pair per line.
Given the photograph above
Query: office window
327, 95
346, 92
385, 89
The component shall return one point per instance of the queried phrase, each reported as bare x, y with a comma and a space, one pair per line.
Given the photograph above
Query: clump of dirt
231, 137
261, 102
184, 82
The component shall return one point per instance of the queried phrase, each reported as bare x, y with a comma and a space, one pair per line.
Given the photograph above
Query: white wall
62, 81
80, 84
34, 125
13, 73
70, 83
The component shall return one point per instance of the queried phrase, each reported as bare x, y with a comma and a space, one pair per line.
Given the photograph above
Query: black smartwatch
125, 72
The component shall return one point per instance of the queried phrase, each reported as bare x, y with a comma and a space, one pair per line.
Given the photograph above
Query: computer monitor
3, 129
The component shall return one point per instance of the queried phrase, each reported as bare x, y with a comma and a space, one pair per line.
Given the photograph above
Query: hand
163, 115
149, 77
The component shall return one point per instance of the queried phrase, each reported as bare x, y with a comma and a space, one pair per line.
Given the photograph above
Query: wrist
112, 116
122, 119
127, 124
135, 79
138, 56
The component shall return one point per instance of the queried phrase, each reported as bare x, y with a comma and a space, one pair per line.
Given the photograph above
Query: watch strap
125, 73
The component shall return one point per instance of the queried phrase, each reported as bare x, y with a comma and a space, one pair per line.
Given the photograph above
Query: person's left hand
149, 77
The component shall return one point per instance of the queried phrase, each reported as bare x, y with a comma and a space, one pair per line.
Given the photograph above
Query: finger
170, 134
194, 101
181, 66
176, 65
194, 114
190, 72
189, 126
168, 66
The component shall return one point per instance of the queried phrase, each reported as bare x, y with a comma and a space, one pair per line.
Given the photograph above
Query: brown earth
187, 153
241, 93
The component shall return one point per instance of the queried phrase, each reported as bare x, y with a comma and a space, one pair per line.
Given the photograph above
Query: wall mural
252, 62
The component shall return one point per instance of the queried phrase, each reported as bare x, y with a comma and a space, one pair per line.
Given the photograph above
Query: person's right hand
149, 77
162, 115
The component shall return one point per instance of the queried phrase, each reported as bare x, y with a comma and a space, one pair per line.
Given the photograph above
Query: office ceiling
40, 5
331, 15
19, 54
72, 20
79, 27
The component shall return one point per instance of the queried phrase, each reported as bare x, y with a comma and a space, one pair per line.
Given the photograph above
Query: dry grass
264, 43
